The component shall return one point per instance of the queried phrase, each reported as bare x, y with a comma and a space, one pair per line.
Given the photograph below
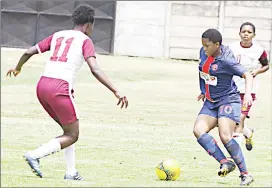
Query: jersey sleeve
201, 85
201, 52
88, 49
235, 68
44, 45
201, 81
263, 59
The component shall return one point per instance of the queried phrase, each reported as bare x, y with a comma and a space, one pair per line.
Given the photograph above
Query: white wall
172, 29
188, 20
139, 29
257, 12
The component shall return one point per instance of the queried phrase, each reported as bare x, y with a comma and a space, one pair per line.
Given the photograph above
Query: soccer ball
168, 170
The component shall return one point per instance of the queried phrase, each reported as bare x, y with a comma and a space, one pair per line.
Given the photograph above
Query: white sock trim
70, 158
46, 149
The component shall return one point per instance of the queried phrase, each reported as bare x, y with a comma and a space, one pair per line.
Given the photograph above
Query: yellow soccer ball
168, 170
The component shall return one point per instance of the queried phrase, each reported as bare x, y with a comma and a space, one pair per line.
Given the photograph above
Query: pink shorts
245, 111
57, 100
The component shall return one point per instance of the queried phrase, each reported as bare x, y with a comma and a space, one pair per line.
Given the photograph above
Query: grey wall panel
57, 7
48, 24
103, 9
42, 18
20, 6
102, 35
18, 29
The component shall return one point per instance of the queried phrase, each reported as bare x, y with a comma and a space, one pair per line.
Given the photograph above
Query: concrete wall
188, 20
257, 12
139, 28
172, 29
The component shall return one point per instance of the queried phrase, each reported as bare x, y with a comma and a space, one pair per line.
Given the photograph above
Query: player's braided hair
83, 14
250, 24
213, 35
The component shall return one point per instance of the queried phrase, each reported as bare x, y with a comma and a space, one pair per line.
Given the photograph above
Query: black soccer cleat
74, 177
34, 165
226, 168
246, 179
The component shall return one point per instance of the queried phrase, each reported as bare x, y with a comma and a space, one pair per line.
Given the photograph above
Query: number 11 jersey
68, 51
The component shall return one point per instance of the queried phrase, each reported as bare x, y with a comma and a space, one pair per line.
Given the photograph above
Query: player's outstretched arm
24, 58
99, 75
237, 69
249, 82
265, 67
202, 89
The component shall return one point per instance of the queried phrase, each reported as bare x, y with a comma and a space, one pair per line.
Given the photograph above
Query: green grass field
122, 147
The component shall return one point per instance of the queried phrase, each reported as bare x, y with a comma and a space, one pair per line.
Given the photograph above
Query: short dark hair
248, 23
83, 14
213, 35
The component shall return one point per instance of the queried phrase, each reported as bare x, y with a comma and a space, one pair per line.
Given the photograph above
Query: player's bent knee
196, 132
72, 130
72, 135
71, 138
225, 137
75, 137
199, 129
203, 124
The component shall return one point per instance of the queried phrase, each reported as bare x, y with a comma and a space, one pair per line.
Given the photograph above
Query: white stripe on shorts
73, 101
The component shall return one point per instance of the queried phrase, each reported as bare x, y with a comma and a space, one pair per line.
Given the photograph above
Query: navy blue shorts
231, 111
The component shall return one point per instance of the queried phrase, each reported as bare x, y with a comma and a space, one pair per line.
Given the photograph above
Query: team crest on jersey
214, 67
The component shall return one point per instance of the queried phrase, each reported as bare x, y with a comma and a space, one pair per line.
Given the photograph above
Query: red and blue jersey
215, 77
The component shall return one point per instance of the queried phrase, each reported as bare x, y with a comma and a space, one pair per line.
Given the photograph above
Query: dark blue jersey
215, 77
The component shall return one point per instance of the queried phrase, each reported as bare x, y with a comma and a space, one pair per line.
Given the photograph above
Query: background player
222, 106
68, 50
254, 58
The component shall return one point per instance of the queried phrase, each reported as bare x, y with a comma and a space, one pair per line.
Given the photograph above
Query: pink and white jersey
250, 58
68, 50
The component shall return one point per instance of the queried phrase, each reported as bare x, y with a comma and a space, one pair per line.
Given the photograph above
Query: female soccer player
254, 59
68, 51
222, 104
